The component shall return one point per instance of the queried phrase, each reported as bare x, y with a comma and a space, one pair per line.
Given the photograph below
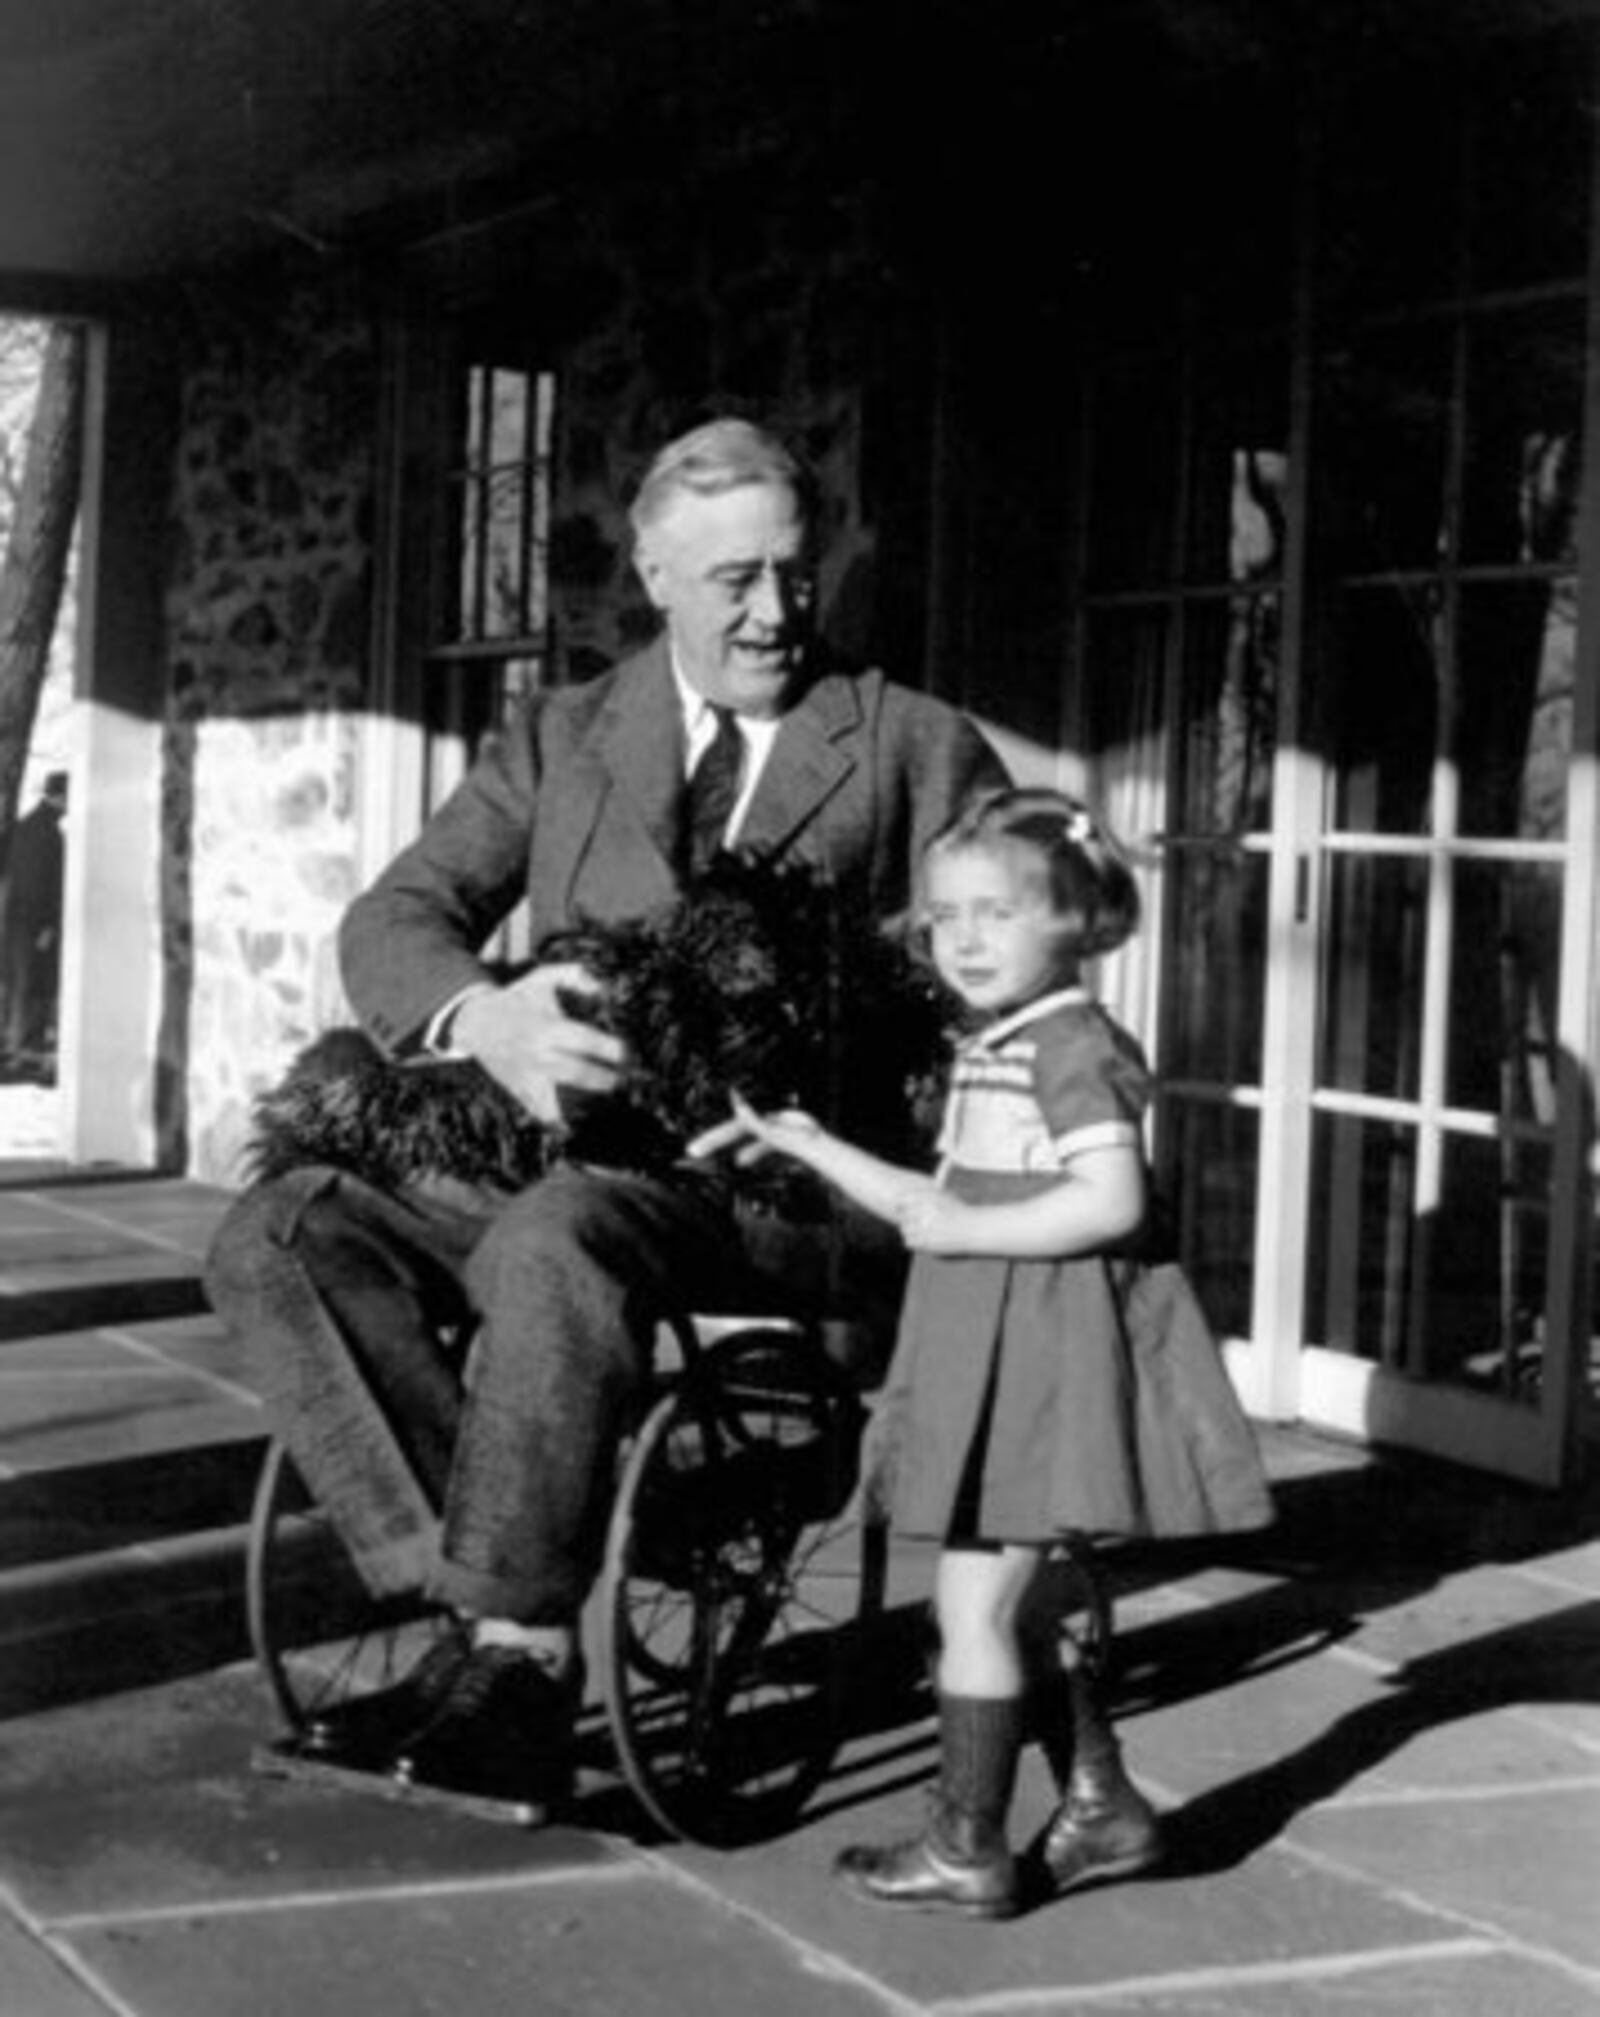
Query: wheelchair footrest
284, 1759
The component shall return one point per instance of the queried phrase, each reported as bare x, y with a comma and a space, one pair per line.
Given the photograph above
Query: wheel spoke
754, 1456
318, 1637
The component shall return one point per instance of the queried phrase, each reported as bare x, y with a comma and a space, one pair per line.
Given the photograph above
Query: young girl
1050, 1378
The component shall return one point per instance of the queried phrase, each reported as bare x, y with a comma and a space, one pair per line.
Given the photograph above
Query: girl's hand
751, 1135
931, 1221
877, 1186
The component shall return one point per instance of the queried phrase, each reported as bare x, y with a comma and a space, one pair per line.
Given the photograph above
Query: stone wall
268, 620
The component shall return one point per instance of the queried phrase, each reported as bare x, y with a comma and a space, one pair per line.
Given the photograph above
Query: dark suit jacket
575, 807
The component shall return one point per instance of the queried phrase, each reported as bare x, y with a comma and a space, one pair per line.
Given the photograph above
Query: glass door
1447, 875
1341, 695
1446, 843
1184, 632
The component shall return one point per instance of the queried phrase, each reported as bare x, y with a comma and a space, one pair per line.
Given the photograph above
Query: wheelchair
739, 1585
736, 1606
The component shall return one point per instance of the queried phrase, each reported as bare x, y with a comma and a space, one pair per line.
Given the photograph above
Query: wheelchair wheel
738, 1578
318, 1636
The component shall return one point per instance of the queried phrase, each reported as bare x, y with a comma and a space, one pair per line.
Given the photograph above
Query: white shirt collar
699, 725
696, 708
699, 721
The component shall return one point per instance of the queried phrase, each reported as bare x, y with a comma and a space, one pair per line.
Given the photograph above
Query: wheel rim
319, 1638
735, 1574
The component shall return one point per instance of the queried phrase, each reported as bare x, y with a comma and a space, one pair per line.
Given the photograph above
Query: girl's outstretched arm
882, 1188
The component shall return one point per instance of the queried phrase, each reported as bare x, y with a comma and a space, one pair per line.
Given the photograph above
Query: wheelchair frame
739, 1577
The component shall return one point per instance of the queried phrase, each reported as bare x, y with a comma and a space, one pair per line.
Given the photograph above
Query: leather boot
1104, 1826
961, 1861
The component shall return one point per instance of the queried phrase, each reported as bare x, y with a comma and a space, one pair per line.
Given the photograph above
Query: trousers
452, 1372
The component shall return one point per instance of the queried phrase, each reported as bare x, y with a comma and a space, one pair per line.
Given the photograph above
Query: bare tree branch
34, 568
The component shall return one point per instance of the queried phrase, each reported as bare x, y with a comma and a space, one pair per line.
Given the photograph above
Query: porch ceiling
144, 138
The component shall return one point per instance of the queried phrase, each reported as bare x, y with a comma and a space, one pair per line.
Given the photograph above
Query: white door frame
113, 972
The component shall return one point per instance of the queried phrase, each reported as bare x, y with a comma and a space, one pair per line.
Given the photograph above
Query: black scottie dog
758, 980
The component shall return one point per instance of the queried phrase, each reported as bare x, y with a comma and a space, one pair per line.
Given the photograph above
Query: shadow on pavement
1550, 1661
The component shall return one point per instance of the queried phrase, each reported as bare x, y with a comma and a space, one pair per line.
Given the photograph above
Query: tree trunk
34, 569
32, 576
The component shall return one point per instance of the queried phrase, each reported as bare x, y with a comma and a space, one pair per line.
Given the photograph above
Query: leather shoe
365, 1733
501, 1735
1094, 1837
925, 1876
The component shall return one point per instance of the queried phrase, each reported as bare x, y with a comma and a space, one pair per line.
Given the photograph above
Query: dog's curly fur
343, 1103
758, 980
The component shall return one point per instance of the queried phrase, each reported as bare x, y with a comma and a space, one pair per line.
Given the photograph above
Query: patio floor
1376, 1730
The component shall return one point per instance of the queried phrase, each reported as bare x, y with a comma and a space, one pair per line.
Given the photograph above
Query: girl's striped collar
1019, 1018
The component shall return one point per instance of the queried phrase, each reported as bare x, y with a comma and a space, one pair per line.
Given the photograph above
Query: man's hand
523, 1036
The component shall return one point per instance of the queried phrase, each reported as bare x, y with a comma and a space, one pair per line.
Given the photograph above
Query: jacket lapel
641, 746
619, 777
810, 759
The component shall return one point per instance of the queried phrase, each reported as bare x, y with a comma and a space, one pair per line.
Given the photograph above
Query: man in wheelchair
485, 1478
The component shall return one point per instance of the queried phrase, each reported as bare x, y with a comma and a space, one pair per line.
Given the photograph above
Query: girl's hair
1087, 878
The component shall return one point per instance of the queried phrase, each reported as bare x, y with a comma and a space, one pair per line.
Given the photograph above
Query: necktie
712, 792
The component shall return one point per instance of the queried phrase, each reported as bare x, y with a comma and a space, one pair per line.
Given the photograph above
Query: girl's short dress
1030, 1399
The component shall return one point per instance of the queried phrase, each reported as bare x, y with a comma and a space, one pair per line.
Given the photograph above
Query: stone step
97, 1624
125, 1572
171, 1290
50, 1518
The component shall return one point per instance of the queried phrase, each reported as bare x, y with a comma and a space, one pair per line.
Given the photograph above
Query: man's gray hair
721, 455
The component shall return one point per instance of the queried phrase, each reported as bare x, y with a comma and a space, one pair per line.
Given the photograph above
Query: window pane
1507, 925
1377, 704
520, 679
1239, 468
1233, 201
1228, 699
476, 432
473, 559
1386, 426
1390, 186
1533, 124
1513, 734
1134, 431
1524, 428
1216, 979
500, 501
1483, 1311
505, 608
466, 702
1361, 1248
1127, 677
1210, 1162
1478, 1261
1371, 1039
509, 441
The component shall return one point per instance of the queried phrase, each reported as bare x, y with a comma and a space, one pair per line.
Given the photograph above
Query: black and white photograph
799, 1008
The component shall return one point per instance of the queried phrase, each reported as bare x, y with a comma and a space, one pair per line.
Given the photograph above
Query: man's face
732, 575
